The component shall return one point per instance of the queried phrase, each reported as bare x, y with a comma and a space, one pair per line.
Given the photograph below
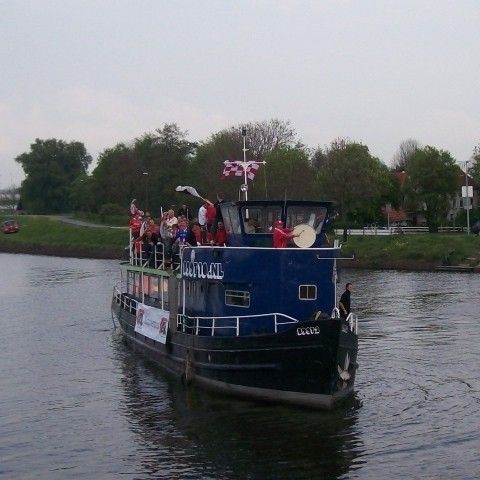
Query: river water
76, 403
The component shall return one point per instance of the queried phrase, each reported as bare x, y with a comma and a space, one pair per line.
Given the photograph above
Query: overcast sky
104, 71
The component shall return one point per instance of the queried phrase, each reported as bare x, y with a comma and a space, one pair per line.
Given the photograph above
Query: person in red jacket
220, 236
135, 225
281, 235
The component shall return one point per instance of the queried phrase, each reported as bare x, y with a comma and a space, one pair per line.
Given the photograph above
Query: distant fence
396, 230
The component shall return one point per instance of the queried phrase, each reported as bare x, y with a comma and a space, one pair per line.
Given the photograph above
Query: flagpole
245, 165
244, 135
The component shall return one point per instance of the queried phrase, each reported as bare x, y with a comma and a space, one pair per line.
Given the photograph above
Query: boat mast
245, 165
244, 187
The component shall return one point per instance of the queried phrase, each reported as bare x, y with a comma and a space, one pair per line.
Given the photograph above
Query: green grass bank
51, 236
413, 252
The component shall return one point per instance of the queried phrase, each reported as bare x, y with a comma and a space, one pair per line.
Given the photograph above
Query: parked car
10, 226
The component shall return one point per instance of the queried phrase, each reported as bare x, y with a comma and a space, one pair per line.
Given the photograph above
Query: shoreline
69, 251
116, 253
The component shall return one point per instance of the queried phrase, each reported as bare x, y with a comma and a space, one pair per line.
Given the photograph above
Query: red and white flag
233, 168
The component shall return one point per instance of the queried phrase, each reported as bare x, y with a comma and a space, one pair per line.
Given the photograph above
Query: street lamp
466, 196
146, 190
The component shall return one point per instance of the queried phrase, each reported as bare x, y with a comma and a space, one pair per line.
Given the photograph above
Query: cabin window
237, 298
261, 218
154, 290
231, 220
307, 292
130, 283
310, 215
165, 304
137, 285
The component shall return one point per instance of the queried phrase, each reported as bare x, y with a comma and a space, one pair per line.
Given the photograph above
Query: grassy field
422, 251
410, 251
47, 235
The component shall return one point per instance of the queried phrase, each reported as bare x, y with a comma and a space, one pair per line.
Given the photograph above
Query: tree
268, 135
9, 198
432, 179
289, 173
474, 170
151, 166
359, 183
81, 194
50, 168
404, 154
262, 138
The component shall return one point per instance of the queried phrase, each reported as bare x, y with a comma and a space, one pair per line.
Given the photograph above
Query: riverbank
413, 252
51, 236
43, 235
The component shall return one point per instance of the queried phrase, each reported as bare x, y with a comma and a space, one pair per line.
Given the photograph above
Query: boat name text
308, 331
202, 270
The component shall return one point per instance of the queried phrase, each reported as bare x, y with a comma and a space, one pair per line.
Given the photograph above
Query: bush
109, 209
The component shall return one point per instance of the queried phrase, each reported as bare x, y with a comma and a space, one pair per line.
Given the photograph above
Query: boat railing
234, 325
352, 320
155, 258
125, 301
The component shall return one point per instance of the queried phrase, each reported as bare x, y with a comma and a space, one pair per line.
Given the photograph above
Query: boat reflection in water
189, 433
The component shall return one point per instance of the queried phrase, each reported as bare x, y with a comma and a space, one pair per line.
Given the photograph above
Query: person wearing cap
281, 235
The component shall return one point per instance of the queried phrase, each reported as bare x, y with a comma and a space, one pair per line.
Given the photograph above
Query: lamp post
146, 190
466, 197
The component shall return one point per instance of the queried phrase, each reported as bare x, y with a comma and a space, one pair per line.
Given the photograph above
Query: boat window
130, 282
237, 298
154, 290
231, 219
165, 293
136, 285
307, 292
259, 219
311, 215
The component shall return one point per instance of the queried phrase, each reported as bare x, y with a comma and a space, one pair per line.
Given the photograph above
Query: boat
245, 318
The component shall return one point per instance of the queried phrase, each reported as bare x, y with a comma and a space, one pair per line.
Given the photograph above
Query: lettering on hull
212, 271
308, 331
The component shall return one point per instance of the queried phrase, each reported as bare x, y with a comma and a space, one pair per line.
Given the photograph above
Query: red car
10, 226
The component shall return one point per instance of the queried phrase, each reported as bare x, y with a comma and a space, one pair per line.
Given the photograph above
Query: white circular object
306, 235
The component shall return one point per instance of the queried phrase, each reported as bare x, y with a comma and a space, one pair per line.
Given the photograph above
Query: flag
188, 190
235, 169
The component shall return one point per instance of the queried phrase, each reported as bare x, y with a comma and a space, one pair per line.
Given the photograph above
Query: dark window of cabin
237, 298
231, 219
307, 292
310, 215
263, 217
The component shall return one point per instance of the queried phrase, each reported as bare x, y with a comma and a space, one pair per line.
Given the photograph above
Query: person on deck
281, 235
220, 236
184, 211
134, 210
344, 304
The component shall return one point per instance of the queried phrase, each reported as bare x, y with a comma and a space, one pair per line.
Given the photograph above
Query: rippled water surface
76, 403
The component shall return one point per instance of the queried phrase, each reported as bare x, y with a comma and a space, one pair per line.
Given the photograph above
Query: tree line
149, 168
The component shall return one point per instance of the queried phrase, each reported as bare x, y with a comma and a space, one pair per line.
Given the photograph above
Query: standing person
344, 304
134, 210
202, 220
219, 216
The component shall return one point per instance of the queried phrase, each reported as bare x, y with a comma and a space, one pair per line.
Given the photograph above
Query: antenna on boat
249, 167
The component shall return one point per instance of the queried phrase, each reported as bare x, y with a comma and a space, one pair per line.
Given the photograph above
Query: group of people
174, 230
